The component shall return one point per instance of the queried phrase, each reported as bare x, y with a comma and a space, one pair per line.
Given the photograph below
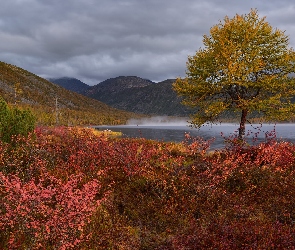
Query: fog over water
160, 121
174, 129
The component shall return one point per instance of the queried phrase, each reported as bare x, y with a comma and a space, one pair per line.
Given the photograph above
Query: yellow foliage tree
246, 66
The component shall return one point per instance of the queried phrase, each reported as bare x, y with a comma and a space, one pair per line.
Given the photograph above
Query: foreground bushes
71, 189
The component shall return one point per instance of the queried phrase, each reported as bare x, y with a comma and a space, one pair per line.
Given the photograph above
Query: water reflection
176, 133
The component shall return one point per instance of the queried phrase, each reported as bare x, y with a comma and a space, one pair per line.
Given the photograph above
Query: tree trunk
242, 127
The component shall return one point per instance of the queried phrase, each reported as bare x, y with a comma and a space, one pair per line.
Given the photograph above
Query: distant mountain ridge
122, 82
134, 94
71, 84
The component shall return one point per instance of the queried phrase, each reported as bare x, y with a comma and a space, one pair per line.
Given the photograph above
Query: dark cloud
93, 40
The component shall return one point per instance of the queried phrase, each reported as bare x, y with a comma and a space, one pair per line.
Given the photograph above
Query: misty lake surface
176, 132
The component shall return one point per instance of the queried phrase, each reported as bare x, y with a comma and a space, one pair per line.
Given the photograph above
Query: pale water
176, 132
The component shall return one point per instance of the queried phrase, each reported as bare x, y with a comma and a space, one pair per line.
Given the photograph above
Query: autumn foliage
245, 67
67, 188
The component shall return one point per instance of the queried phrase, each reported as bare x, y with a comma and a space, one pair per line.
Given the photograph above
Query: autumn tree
17, 91
245, 66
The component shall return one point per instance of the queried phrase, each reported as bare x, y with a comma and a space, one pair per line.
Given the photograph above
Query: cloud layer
94, 40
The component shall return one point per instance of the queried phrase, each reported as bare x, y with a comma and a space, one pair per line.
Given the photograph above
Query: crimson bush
66, 188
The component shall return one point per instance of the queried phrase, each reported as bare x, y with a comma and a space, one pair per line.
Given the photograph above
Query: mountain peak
123, 82
70, 83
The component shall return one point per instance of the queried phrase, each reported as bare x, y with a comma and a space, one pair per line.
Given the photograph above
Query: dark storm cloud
93, 40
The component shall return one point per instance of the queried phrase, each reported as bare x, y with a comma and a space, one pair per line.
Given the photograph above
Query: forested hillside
53, 104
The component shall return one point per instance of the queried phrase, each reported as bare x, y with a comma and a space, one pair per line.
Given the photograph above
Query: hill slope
52, 103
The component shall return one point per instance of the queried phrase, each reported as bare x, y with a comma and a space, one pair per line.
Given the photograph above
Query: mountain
138, 95
53, 104
71, 84
133, 94
116, 85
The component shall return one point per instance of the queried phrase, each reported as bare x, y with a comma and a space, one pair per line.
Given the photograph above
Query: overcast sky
94, 40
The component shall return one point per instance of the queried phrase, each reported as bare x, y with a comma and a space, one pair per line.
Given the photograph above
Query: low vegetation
14, 121
68, 188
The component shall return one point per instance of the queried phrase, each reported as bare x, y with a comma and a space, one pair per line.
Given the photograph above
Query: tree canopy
245, 66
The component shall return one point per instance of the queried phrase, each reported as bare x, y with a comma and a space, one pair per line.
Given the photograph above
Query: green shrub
14, 121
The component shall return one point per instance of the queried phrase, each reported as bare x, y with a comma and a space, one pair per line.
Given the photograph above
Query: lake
173, 132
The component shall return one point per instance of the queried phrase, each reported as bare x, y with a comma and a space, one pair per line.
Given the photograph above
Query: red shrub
47, 212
